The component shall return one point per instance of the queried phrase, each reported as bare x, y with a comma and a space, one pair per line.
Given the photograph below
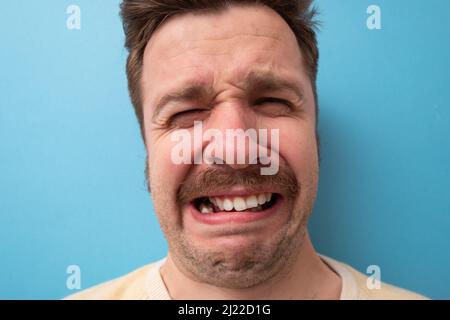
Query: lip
237, 192
226, 217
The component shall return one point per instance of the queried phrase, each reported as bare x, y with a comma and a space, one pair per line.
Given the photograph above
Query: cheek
298, 147
165, 176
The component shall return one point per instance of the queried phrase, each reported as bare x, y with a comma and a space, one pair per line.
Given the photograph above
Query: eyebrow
254, 81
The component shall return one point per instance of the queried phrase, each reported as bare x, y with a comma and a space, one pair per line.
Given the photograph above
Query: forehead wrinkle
208, 46
244, 34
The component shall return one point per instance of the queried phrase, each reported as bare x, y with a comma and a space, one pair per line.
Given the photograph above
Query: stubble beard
248, 267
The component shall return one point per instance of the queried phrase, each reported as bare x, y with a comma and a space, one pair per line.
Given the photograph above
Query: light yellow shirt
146, 283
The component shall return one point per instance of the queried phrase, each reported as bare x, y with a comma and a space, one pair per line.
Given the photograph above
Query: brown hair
142, 17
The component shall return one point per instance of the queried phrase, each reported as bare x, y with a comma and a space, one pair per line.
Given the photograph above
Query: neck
308, 277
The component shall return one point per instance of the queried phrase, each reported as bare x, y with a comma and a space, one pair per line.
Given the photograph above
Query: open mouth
250, 203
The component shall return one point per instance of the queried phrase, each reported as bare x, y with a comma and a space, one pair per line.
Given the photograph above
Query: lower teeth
258, 208
205, 209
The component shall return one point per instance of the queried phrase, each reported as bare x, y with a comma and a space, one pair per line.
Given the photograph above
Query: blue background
72, 186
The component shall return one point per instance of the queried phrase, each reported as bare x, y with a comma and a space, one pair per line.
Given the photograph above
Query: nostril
237, 166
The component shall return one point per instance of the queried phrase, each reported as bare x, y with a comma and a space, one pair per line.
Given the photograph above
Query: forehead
225, 46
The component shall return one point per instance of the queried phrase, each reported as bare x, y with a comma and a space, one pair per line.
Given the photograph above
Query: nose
237, 125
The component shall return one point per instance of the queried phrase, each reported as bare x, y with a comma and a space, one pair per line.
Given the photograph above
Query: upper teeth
241, 203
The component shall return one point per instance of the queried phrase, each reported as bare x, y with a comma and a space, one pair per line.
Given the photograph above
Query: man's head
232, 65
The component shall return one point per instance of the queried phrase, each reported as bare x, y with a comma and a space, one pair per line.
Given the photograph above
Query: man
233, 232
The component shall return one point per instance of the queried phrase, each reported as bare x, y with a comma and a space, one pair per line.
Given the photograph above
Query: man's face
240, 68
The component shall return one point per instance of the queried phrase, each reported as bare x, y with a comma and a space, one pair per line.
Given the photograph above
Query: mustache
219, 178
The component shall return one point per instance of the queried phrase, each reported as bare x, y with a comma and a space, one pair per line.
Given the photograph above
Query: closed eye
271, 100
186, 112
273, 107
186, 118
